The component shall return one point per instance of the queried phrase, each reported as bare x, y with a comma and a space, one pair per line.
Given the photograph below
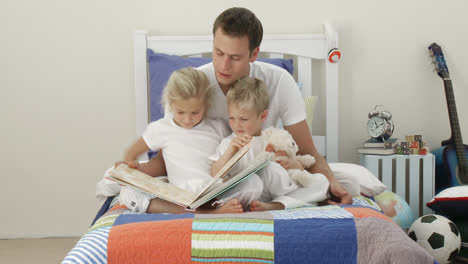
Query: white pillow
369, 184
310, 103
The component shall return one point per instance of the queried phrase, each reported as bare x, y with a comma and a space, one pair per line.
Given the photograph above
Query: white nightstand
409, 176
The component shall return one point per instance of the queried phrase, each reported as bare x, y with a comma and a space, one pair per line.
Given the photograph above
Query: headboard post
332, 108
141, 80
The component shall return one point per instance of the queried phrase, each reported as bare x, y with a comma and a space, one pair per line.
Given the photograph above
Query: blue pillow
160, 68
162, 65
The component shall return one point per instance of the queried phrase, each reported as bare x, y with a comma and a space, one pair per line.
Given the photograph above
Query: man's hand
290, 164
338, 194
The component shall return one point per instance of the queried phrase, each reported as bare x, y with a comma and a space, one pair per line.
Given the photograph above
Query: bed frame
305, 48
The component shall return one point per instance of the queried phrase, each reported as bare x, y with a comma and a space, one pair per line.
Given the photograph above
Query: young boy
247, 102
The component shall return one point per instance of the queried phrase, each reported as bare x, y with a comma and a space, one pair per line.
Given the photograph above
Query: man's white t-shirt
286, 102
186, 151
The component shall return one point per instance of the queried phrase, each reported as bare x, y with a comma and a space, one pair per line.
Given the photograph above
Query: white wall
67, 101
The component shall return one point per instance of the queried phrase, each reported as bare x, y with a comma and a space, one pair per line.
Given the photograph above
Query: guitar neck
454, 124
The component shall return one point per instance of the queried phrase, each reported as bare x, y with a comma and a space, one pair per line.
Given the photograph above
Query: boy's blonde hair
186, 83
250, 94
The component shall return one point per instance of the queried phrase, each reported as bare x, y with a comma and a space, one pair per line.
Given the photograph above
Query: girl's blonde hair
250, 94
186, 83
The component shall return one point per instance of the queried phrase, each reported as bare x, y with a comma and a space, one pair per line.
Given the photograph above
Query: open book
159, 187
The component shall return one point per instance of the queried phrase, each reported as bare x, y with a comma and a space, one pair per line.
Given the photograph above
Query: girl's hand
131, 164
290, 164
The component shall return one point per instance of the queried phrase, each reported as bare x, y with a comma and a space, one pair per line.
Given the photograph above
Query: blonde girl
186, 139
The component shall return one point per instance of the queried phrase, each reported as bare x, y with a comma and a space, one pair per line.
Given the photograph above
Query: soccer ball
437, 235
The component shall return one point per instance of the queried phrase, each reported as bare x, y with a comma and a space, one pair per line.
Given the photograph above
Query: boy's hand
240, 141
290, 164
131, 164
271, 148
286, 163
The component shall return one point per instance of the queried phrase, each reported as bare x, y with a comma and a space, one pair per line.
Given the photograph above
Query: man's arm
301, 134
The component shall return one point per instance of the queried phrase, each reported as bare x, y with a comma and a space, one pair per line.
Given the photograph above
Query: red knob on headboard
334, 55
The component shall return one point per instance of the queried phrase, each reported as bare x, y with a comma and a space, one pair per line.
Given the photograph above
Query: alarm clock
380, 125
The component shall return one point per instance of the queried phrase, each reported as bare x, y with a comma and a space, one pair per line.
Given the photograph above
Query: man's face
231, 57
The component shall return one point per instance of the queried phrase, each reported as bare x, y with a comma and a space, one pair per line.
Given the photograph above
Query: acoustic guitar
451, 158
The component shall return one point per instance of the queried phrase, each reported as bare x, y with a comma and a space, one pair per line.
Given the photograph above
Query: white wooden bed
306, 47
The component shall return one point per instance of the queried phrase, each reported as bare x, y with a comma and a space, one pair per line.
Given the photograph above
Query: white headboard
305, 46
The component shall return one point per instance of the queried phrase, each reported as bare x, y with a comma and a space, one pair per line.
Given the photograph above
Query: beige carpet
38, 251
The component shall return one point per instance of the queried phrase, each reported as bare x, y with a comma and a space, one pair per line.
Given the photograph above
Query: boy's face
188, 113
244, 121
231, 57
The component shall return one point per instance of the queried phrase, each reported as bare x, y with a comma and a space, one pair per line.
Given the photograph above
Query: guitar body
446, 164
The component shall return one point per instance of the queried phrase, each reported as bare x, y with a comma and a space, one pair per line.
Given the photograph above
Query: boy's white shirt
186, 151
278, 187
274, 178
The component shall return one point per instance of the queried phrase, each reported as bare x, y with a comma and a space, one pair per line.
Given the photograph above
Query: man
237, 36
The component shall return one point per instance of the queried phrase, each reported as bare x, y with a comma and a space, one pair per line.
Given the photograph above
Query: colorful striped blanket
328, 234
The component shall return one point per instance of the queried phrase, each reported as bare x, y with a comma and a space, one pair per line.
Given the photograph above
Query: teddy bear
282, 143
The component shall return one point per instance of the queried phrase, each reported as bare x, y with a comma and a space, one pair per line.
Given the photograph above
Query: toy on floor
396, 208
438, 235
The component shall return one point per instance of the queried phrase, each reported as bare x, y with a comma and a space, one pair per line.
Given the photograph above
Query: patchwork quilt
358, 233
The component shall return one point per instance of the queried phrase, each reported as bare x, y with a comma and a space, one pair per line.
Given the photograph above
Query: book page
224, 170
228, 166
152, 185
260, 162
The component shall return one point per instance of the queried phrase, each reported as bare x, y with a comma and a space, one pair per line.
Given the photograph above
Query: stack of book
378, 147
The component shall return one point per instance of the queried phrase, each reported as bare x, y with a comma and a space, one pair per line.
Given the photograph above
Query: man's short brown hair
239, 22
